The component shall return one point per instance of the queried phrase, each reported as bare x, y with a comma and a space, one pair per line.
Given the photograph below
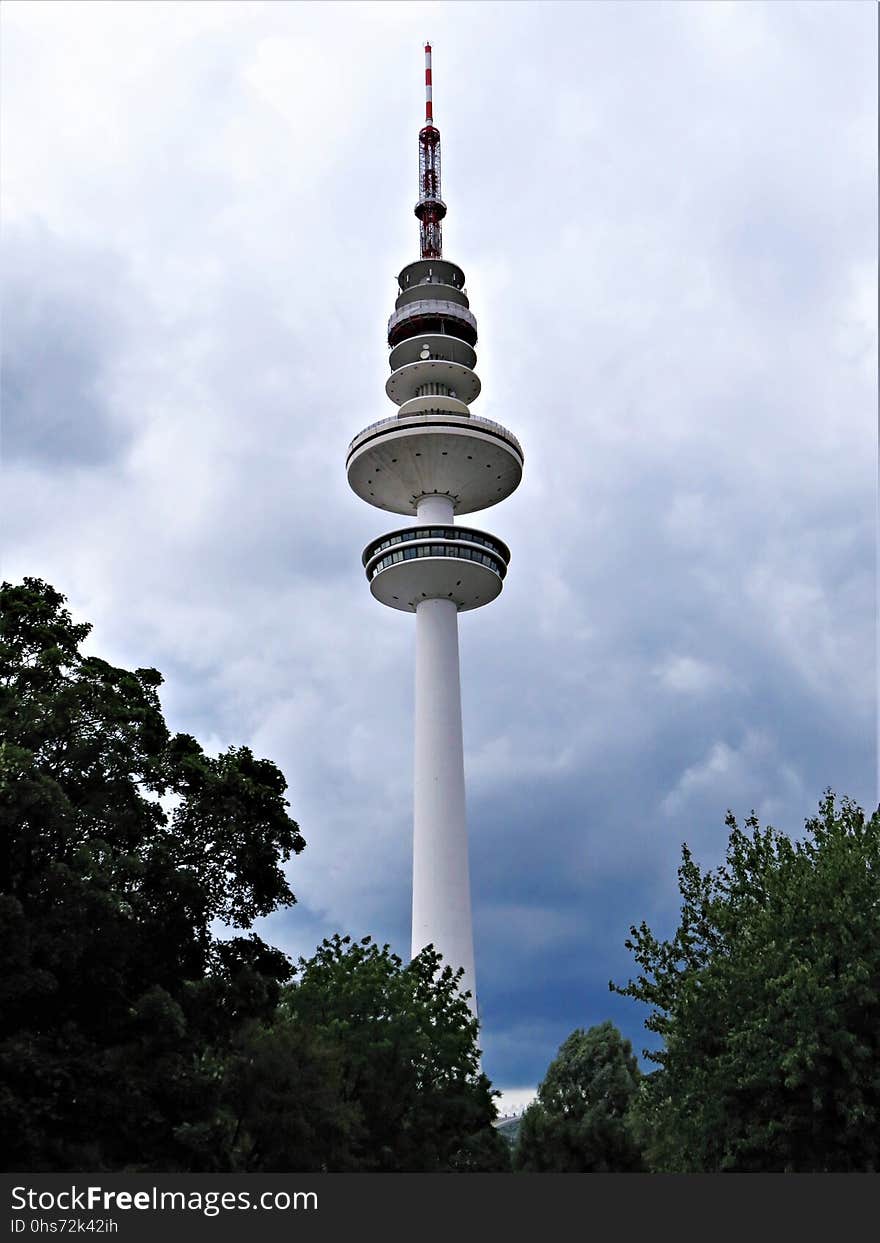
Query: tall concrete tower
435, 460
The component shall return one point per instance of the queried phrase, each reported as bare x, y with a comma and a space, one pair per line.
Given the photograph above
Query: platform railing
454, 420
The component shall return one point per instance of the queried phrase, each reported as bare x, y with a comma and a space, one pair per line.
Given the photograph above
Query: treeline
132, 1038
767, 999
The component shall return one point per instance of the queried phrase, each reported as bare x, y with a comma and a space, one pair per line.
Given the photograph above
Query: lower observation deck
394, 463
436, 563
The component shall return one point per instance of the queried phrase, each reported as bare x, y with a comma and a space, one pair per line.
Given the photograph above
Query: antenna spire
429, 112
430, 208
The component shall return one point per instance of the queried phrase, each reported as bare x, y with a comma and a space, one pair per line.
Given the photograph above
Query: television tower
433, 460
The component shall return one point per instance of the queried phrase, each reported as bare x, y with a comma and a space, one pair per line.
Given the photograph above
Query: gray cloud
65, 310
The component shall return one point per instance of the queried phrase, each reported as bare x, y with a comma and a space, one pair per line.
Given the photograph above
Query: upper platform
440, 271
429, 315
476, 462
431, 298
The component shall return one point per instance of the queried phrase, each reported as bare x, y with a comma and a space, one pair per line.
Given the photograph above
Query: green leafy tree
120, 845
370, 1065
283, 1101
768, 1001
580, 1122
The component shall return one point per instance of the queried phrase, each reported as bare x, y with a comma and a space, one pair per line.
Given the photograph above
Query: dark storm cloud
65, 315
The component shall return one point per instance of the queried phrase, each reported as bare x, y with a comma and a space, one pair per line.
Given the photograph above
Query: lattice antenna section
430, 208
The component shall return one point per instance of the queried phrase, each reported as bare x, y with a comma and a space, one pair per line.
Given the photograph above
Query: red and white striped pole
430, 209
429, 112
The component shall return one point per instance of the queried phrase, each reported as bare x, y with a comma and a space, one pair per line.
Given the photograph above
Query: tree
580, 1121
370, 1065
117, 1002
768, 1001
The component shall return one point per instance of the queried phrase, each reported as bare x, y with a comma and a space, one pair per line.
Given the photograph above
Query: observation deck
420, 271
431, 298
420, 563
440, 449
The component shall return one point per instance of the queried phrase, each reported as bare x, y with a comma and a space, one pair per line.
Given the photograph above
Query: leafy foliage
768, 1001
130, 1036
116, 999
580, 1121
387, 1070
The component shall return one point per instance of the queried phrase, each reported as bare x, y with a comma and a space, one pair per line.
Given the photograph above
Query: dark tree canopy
115, 996
580, 1122
131, 1037
768, 1001
370, 1065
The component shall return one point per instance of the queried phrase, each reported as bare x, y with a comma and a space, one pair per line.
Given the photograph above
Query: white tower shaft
441, 879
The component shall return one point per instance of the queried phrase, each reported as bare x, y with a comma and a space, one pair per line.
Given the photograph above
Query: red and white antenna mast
430, 208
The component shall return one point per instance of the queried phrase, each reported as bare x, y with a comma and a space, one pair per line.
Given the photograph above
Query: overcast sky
667, 215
